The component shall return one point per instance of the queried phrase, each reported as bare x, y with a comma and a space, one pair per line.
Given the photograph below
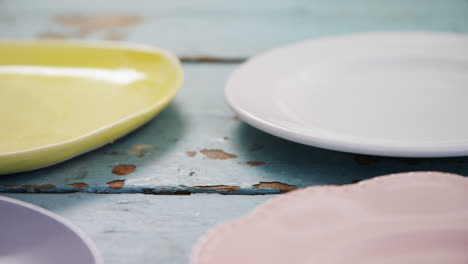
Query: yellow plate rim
173, 59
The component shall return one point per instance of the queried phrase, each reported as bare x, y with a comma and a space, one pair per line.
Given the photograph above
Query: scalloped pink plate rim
210, 242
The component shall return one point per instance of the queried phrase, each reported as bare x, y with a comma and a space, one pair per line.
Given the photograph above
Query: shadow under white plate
390, 94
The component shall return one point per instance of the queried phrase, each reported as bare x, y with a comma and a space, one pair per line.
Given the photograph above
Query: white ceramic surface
391, 94
30, 234
417, 218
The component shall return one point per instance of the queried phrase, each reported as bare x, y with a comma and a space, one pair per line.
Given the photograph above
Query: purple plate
30, 234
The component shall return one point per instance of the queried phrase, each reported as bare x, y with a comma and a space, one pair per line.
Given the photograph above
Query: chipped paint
78, 185
141, 149
123, 169
124, 186
220, 187
117, 184
217, 154
192, 173
94, 23
355, 180
255, 163
283, 187
191, 153
365, 159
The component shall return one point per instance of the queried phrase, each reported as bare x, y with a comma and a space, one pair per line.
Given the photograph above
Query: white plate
389, 94
30, 234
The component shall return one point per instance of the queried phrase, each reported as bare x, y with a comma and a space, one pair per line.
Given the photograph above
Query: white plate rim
337, 142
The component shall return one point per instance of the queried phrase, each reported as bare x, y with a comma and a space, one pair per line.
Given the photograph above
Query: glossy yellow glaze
61, 99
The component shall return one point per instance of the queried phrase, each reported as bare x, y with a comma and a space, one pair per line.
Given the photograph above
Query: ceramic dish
390, 94
30, 234
63, 98
418, 218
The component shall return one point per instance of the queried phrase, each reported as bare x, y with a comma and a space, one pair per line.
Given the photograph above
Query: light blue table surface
212, 38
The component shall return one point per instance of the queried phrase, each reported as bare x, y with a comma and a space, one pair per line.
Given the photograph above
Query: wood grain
168, 154
137, 228
224, 31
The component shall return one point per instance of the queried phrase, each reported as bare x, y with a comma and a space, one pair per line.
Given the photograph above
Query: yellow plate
59, 99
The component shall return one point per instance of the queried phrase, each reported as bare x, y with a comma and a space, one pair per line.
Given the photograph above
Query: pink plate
419, 217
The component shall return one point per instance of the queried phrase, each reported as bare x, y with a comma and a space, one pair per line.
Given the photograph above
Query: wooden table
154, 209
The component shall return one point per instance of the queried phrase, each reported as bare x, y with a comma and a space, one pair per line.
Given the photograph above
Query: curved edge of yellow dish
31, 159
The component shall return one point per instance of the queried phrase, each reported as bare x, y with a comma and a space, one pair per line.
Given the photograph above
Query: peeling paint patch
78, 185
191, 153
140, 150
117, 184
93, 23
217, 154
192, 173
123, 169
283, 187
220, 187
255, 163
365, 159
207, 59
45, 186
17, 185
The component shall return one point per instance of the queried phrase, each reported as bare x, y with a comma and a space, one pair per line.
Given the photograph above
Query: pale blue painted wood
200, 119
232, 29
136, 228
